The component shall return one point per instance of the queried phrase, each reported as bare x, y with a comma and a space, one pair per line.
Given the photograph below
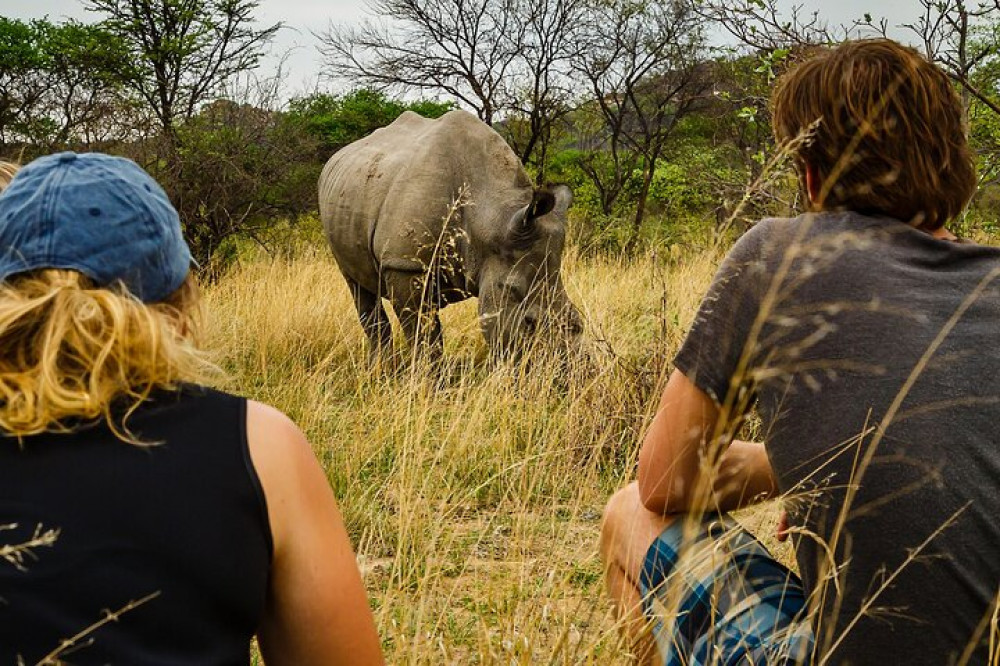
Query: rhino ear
564, 198
542, 203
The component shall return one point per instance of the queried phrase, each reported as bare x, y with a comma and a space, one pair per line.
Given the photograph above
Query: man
867, 339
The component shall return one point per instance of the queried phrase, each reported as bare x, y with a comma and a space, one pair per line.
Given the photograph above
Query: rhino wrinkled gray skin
431, 212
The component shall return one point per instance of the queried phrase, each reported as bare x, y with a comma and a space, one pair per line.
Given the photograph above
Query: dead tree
464, 48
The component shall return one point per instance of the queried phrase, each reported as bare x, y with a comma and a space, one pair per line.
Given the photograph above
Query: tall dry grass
472, 493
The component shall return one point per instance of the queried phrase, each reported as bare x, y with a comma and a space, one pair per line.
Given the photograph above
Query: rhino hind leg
374, 320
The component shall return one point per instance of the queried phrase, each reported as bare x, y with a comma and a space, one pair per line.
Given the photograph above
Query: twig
53, 658
18, 552
890, 579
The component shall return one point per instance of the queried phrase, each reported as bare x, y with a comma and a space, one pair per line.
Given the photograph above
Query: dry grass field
472, 494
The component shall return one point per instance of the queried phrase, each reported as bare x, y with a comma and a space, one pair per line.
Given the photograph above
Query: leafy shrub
235, 169
336, 121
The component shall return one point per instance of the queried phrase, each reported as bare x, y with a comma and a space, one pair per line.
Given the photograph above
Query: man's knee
628, 529
618, 513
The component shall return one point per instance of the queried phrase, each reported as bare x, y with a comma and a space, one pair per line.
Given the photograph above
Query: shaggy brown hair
890, 137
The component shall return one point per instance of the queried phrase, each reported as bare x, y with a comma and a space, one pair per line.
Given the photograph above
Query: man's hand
743, 476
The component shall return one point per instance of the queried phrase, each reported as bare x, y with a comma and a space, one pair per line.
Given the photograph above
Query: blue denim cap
100, 215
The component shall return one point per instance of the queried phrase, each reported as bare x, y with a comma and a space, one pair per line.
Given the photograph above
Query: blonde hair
71, 351
7, 172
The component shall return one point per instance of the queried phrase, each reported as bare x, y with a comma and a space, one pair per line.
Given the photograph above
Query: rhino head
521, 294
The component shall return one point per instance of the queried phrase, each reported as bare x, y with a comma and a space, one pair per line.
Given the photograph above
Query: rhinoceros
430, 212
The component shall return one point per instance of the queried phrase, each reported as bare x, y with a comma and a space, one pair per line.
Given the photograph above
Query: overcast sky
303, 16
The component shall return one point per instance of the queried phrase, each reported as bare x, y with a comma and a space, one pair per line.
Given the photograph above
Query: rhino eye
530, 324
514, 291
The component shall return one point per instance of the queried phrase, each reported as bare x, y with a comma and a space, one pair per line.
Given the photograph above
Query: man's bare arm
676, 472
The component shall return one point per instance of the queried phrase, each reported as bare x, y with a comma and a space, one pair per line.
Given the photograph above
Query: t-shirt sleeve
712, 352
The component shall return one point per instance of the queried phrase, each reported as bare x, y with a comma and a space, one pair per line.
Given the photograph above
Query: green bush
686, 192
234, 170
337, 120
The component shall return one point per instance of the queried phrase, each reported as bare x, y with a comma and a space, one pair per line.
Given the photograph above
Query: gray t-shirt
873, 353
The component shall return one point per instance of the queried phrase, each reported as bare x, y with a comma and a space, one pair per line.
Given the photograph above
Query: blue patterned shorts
721, 598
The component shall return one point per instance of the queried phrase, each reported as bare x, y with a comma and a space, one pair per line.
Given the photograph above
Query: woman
195, 518
7, 171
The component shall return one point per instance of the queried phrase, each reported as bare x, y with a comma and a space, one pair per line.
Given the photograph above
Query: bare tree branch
645, 67
464, 48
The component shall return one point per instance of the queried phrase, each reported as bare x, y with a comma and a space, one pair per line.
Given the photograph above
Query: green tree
644, 64
59, 83
239, 167
22, 75
222, 162
85, 62
184, 51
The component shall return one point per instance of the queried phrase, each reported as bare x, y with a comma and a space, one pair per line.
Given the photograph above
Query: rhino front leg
416, 305
374, 320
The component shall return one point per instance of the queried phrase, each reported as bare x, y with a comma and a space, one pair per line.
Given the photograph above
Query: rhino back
385, 198
353, 186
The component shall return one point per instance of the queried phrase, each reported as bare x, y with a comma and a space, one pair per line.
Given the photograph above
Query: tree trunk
608, 198
543, 158
640, 207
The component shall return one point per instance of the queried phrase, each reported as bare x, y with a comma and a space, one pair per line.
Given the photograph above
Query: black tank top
185, 519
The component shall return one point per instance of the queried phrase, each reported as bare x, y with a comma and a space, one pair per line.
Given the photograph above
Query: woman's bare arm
317, 610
